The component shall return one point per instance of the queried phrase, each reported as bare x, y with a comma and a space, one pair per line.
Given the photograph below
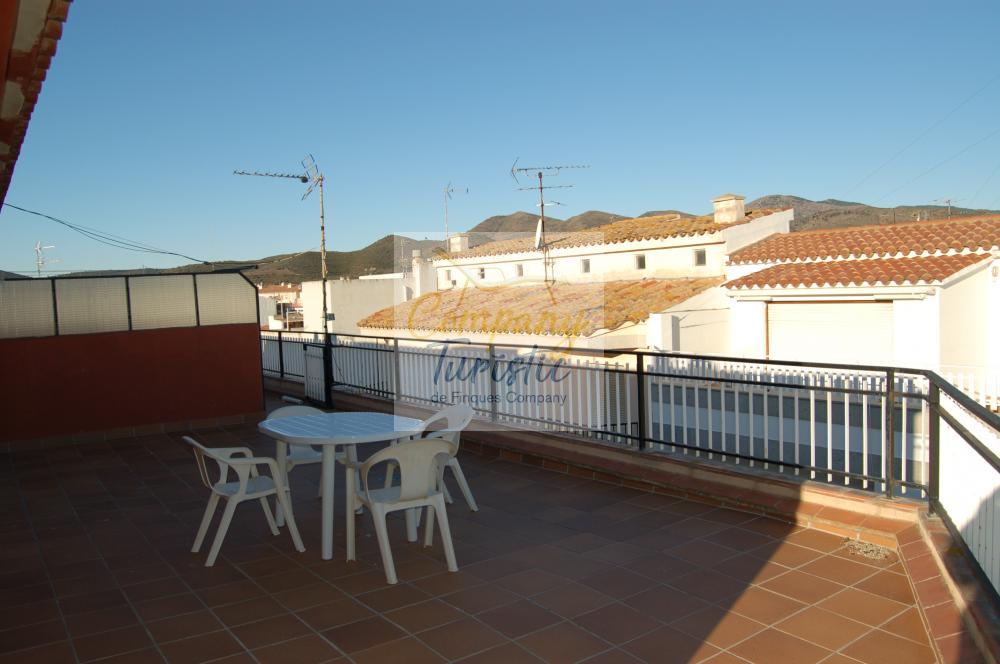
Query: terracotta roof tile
877, 271
624, 230
560, 309
980, 232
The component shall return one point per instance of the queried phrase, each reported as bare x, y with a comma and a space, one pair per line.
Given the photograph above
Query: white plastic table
329, 430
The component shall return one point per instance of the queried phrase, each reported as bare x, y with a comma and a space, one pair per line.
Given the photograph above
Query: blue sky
149, 107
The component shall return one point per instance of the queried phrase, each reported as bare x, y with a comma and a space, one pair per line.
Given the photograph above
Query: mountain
832, 213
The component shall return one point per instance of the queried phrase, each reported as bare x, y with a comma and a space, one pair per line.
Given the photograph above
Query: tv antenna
541, 172
948, 202
40, 259
312, 176
448, 191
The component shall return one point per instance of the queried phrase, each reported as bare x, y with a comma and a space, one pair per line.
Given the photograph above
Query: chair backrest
418, 465
293, 411
454, 419
200, 452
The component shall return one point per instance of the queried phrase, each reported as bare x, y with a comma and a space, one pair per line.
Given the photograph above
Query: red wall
93, 382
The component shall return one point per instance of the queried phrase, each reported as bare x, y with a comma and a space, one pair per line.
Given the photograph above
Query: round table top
342, 428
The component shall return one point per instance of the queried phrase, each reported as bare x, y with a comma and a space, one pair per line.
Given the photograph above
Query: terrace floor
96, 567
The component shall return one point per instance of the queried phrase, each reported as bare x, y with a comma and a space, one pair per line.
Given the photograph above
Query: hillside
831, 213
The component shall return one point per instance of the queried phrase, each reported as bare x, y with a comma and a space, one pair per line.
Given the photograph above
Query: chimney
728, 208
458, 242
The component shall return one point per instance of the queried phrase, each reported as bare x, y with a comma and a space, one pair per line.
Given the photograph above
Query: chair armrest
229, 452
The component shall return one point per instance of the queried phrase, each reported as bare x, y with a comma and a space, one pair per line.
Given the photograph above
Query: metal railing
896, 431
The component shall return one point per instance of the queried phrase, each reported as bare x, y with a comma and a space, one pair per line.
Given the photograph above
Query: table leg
281, 454
329, 467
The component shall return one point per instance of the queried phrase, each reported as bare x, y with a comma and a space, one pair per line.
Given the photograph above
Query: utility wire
983, 185
926, 131
108, 239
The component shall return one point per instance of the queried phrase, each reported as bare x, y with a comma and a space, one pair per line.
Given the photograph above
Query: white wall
917, 332
748, 328
266, 306
744, 235
965, 320
350, 300
700, 325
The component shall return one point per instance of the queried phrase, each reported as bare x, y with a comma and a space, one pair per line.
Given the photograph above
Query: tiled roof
870, 272
560, 309
980, 232
625, 230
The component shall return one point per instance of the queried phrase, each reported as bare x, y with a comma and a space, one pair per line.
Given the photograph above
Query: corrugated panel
162, 301
91, 305
848, 332
225, 299
26, 309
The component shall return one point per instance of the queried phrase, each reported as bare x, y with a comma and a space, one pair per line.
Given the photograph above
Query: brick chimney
728, 208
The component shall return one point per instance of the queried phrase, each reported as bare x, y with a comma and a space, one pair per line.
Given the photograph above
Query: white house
607, 280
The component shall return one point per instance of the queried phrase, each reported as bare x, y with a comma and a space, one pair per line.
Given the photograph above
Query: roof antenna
948, 202
448, 191
40, 259
541, 171
312, 176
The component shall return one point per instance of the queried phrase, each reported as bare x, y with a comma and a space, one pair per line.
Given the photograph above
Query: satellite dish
538, 234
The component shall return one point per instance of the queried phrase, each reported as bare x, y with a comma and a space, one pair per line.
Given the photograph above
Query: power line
108, 239
926, 131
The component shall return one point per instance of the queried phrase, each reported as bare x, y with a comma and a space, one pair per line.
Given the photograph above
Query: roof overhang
29, 32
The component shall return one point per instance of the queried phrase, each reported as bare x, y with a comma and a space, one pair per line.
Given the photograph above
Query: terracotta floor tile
772, 646
481, 598
294, 578
717, 626
91, 601
142, 592
750, 568
839, 570
668, 642
146, 656
763, 606
53, 653
530, 582
402, 651
270, 630
922, 568
27, 614
334, 614
802, 586
788, 554
888, 584
519, 618
319, 592
509, 653
816, 539
862, 606
183, 626
425, 615
230, 593
944, 620
116, 642
30, 636
709, 585
616, 582
249, 611
909, 625
824, 628
363, 634
959, 649
203, 648
616, 623
572, 599
665, 604
392, 597
878, 647
461, 639
563, 643
702, 552
309, 649
168, 606
115, 617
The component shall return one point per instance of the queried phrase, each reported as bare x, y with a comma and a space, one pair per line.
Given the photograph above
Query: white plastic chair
298, 455
418, 462
455, 419
249, 485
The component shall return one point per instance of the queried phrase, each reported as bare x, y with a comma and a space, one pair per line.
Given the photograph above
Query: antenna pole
322, 249
545, 246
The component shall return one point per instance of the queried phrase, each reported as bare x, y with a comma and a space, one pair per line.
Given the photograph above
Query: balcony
554, 567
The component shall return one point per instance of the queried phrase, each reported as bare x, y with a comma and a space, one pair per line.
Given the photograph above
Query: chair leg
349, 500
227, 518
449, 548
456, 468
270, 517
429, 527
412, 517
378, 516
213, 502
285, 501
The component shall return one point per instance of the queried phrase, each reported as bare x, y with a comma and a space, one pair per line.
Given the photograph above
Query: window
640, 261
699, 257
519, 270
447, 275
482, 273
585, 265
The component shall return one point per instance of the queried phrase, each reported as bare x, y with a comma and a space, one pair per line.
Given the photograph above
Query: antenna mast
311, 175
448, 191
948, 202
541, 171
40, 259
